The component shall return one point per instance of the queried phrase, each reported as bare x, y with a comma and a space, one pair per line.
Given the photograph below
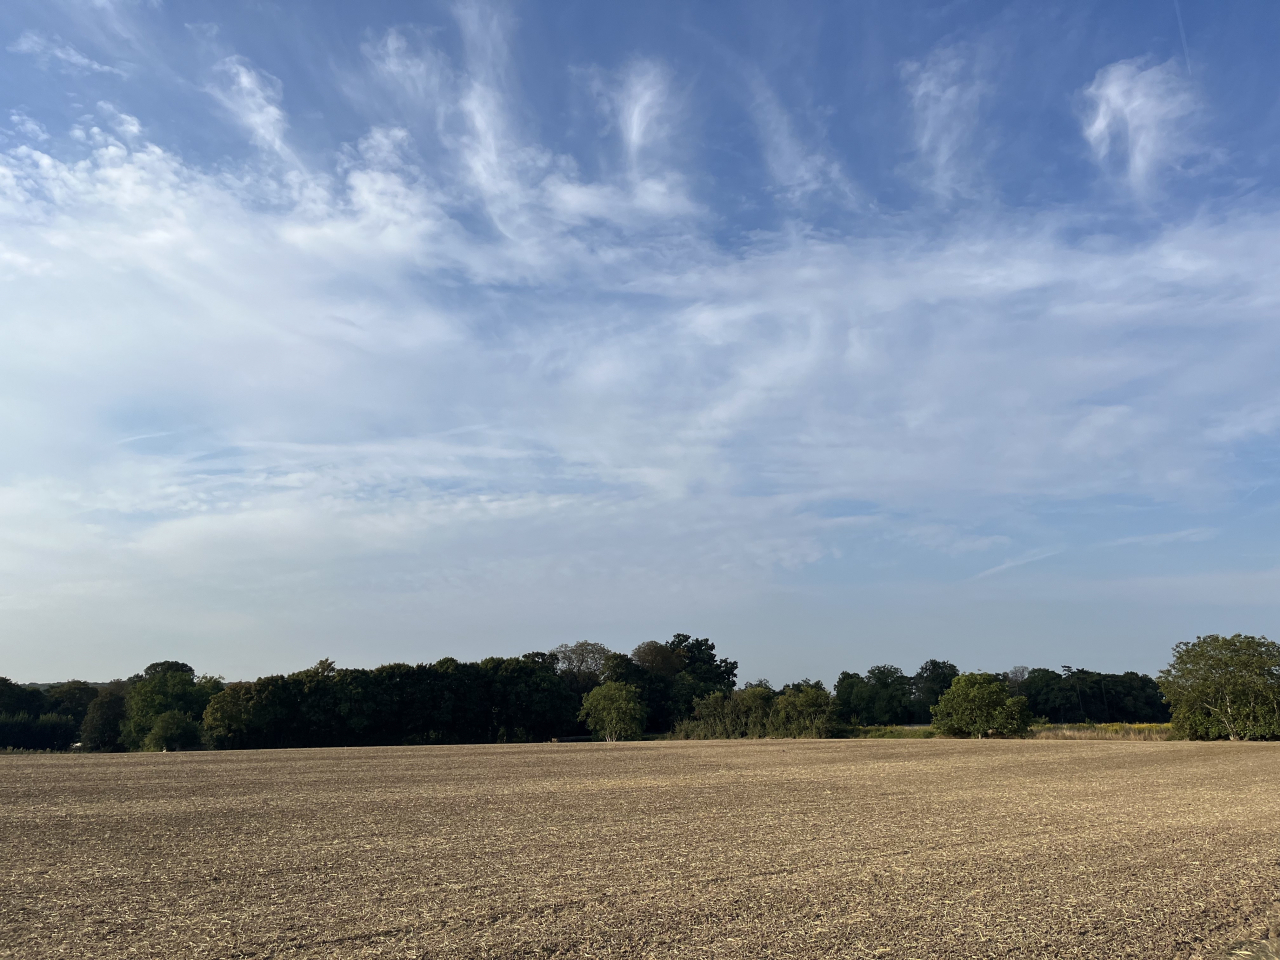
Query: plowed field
891, 849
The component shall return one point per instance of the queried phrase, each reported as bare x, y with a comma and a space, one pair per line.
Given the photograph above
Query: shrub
979, 705
801, 710
172, 731
49, 731
614, 711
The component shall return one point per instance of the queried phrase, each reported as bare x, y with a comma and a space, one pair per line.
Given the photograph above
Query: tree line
1215, 688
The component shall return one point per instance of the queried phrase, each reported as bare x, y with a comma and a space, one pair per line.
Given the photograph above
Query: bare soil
860, 848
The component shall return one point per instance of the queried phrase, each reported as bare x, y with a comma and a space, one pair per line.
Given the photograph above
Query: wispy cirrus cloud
53, 51
1137, 120
946, 96
253, 97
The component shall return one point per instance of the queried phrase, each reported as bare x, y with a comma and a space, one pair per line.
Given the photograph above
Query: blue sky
841, 334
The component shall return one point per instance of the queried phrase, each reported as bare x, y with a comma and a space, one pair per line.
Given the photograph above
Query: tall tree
928, 685
101, 729
1225, 687
581, 664
165, 687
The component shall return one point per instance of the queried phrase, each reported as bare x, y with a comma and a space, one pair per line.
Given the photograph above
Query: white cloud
51, 49
1032, 557
1138, 121
798, 169
127, 126
253, 99
27, 127
1191, 535
946, 95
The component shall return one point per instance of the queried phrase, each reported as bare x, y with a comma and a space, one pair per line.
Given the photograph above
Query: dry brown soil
894, 849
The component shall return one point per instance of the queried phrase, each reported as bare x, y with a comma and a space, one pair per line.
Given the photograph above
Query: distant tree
172, 730
928, 685
165, 687
701, 674
730, 716
102, 721
49, 731
228, 722
1080, 696
655, 690
979, 705
881, 698
531, 701
15, 699
71, 699
1013, 677
581, 664
1225, 687
701, 665
802, 709
614, 711
659, 658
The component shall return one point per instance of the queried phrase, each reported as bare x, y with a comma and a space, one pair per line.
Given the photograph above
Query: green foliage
15, 699
1085, 696
172, 730
928, 685
887, 697
672, 676
614, 711
166, 687
100, 730
979, 705
49, 731
581, 665
531, 701
71, 699
730, 716
229, 722
1224, 688
801, 709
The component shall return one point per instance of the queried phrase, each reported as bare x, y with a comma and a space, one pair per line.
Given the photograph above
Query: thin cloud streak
1032, 557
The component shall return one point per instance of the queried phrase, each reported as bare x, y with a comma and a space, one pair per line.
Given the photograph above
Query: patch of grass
1102, 731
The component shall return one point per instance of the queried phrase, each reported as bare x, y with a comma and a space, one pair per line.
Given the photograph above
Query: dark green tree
701, 673
881, 698
101, 729
531, 701
1081, 696
15, 699
928, 685
165, 687
71, 699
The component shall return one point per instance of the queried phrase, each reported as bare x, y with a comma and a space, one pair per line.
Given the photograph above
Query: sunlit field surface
898, 849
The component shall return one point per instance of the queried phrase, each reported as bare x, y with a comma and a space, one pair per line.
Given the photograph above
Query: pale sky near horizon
841, 334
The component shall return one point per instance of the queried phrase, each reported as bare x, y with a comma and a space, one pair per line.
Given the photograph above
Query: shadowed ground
892, 849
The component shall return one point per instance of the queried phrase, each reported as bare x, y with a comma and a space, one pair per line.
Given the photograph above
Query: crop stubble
893, 849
